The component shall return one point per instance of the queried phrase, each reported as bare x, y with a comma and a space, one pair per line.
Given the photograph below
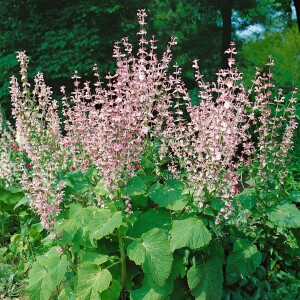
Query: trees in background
285, 49
63, 35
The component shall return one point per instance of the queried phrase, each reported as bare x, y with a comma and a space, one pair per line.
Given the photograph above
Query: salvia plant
144, 195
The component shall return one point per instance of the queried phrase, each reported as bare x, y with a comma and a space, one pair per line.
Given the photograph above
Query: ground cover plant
128, 189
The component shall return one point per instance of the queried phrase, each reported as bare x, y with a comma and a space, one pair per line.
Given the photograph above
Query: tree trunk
297, 6
226, 12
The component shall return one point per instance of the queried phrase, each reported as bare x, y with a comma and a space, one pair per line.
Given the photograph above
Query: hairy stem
123, 264
3, 228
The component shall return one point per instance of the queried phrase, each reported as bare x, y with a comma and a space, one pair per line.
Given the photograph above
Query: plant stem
113, 264
123, 264
125, 237
2, 228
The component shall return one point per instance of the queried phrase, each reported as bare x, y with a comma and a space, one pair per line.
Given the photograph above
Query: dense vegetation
151, 181
61, 36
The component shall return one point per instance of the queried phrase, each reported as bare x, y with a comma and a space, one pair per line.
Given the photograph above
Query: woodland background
60, 36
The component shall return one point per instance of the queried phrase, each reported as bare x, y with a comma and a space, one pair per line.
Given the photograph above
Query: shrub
141, 189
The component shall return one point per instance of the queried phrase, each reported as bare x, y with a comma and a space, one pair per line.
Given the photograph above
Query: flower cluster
114, 121
206, 144
11, 166
38, 134
107, 125
274, 120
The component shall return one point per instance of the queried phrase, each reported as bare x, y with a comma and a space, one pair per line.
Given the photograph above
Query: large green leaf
151, 291
169, 194
41, 285
113, 292
92, 281
285, 215
100, 189
152, 218
46, 274
190, 233
93, 257
69, 229
102, 223
10, 196
243, 261
247, 198
153, 252
91, 222
23, 201
135, 186
146, 292
295, 196
66, 294
205, 278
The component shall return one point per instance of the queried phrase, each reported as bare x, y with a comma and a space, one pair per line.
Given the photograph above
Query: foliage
66, 35
284, 47
142, 195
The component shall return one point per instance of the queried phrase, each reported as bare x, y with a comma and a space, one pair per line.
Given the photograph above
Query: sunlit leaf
46, 274
152, 251
190, 233
92, 280
285, 215
169, 195
205, 278
243, 261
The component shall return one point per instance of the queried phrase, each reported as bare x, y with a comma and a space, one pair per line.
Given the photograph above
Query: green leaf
69, 229
77, 183
113, 292
295, 196
91, 281
134, 186
41, 285
150, 290
180, 290
205, 278
76, 211
9, 197
247, 198
34, 234
153, 252
93, 257
23, 201
66, 294
169, 194
146, 292
103, 223
46, 274
285, 215
100, 189
243, 261
140, 201
153, 218
190, 233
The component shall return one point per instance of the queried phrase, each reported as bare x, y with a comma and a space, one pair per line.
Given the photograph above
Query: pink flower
117, 147
138, 166
59, 250
236, 190
246, 163
73, 168
29, 166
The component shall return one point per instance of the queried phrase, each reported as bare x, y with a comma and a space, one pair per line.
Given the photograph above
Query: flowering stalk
114, 122
108, 126
38, 133
123, 264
